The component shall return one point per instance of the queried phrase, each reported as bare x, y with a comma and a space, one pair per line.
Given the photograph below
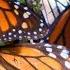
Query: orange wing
4, 15
27, 57
4, 4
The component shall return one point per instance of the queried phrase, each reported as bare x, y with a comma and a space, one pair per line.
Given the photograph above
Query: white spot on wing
26, 8
14, 30
49, 49
16, 12
41, 24
3, 35
9, 33
18, 3
28, 33
47, 38
64, 55
40, 29
20, 37
65, 51
52, 55
5, 39
20, 31
25, 15
47, 45
67, 64
35, 37
41, 35
28, 37
10, 38
41, 20
59, 47
16, 6
31, 41
24, 25
28, 13
15, 36
35, 33
41, 41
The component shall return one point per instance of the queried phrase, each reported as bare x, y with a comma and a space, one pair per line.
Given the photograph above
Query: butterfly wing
31, 57
20, 22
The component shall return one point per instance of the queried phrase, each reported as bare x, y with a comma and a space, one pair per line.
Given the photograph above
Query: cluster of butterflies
19, 22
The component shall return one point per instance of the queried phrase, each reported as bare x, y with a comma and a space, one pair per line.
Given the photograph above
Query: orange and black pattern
18, 22
35, 57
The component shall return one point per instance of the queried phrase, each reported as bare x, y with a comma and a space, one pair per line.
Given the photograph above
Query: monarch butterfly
18, 22
35, 57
